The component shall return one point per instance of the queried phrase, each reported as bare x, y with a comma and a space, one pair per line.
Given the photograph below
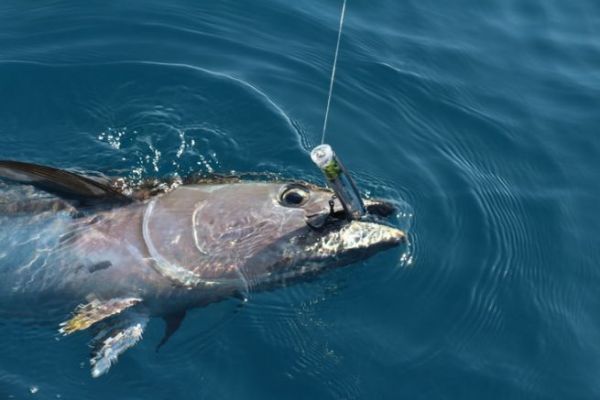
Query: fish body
121, 261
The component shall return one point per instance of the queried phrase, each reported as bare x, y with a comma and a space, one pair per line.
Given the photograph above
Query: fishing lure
339, 179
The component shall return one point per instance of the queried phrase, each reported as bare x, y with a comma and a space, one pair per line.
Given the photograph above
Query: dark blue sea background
480, 119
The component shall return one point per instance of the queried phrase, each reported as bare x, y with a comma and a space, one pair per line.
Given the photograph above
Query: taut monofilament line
332, 80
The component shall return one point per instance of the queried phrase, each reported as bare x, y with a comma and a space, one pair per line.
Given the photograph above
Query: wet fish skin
186, 248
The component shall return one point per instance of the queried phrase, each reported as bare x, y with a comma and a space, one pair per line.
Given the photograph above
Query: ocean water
479, 119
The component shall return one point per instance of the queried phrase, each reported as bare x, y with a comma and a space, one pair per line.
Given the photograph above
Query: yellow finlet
95, 311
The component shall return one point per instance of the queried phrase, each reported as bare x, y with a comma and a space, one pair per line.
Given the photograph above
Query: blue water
480, 119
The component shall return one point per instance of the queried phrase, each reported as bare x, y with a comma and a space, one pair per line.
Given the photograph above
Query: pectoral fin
117, 327
95, 311
114, 339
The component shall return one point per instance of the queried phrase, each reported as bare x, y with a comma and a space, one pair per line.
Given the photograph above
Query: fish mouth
364, 236
336, 242
347, 242
340, 240
375, 226
358, 239
376, 210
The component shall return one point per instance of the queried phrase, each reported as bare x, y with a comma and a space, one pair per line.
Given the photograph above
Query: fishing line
337, 50
338, 177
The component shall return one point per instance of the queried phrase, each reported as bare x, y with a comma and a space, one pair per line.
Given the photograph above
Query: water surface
479, 118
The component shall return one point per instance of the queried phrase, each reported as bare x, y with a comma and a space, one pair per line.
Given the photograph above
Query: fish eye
293, 196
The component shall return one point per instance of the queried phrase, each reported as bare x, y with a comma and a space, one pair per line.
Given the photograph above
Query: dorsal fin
61, 183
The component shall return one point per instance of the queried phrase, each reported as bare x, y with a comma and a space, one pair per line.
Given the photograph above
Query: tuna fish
117, 259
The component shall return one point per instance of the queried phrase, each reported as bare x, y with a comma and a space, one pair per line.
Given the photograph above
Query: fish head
262, 232
288, 230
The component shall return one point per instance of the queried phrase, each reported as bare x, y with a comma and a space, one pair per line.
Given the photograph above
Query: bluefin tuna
106, 259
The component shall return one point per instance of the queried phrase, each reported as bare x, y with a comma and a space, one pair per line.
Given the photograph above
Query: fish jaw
357, 237
307, 252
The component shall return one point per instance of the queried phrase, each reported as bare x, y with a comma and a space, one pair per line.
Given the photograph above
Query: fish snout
366, 235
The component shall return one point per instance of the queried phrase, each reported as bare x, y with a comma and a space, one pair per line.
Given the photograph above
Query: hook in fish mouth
346, 240
375, 208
